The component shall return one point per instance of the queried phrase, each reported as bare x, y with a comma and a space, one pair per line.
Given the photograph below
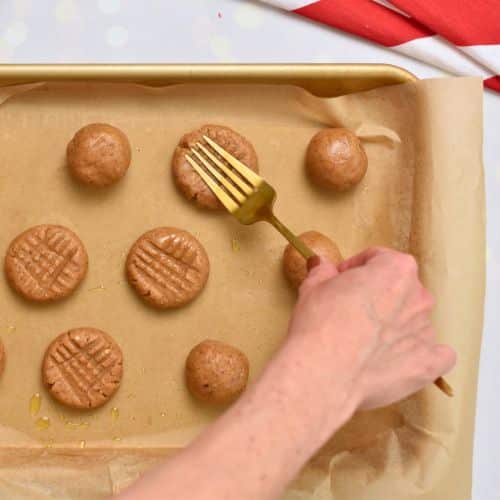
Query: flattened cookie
2, 357
188, 181
82, 368
168, 267
99, 154
46, 263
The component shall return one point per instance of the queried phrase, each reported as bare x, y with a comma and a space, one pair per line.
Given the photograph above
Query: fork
245, 194
248, 197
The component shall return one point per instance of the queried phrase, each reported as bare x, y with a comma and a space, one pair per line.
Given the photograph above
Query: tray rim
321, 79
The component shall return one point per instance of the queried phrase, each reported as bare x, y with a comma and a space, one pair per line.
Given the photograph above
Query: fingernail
313, 262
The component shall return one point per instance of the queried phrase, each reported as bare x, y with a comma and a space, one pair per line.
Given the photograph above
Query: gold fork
245, 194
248, 197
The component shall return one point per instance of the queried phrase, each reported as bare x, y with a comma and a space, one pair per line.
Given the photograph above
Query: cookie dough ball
336, 159
83, 368
46, 263
2, 357
216, 372
98, 155
295, 266
168, 267
188, 181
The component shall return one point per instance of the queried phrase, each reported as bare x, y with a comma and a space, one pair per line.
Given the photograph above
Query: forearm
260, 443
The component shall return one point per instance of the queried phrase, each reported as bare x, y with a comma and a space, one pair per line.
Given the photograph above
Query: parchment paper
423, 193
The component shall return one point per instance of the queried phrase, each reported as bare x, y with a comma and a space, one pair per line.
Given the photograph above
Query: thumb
320, 270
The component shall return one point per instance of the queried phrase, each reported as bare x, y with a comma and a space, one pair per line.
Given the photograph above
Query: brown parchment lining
423, 192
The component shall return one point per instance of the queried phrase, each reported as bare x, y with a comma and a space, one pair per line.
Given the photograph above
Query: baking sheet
421, 154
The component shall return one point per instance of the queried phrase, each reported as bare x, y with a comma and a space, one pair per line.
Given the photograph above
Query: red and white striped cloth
459, 36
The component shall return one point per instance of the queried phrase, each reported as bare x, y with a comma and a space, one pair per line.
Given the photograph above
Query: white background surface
53, 31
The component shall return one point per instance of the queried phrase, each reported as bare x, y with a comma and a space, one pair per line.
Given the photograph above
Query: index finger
362, 258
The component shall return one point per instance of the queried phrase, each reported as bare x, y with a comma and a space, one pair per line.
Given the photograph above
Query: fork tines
229, 179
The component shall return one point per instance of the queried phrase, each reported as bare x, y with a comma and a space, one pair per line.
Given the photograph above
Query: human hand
368, 324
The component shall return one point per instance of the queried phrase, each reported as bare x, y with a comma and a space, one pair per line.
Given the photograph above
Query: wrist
315, 393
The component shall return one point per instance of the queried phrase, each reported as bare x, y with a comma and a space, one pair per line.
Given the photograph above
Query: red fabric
366, 19
493, 83
439, 29
462, 22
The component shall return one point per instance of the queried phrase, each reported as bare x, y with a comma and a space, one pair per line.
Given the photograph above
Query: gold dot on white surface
65, 11
109, 6
220, 47
15, 34
248, 16
5, 51
117, 36
22, 7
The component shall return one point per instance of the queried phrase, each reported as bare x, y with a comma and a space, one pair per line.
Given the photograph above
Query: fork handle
297, 243
444, 387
